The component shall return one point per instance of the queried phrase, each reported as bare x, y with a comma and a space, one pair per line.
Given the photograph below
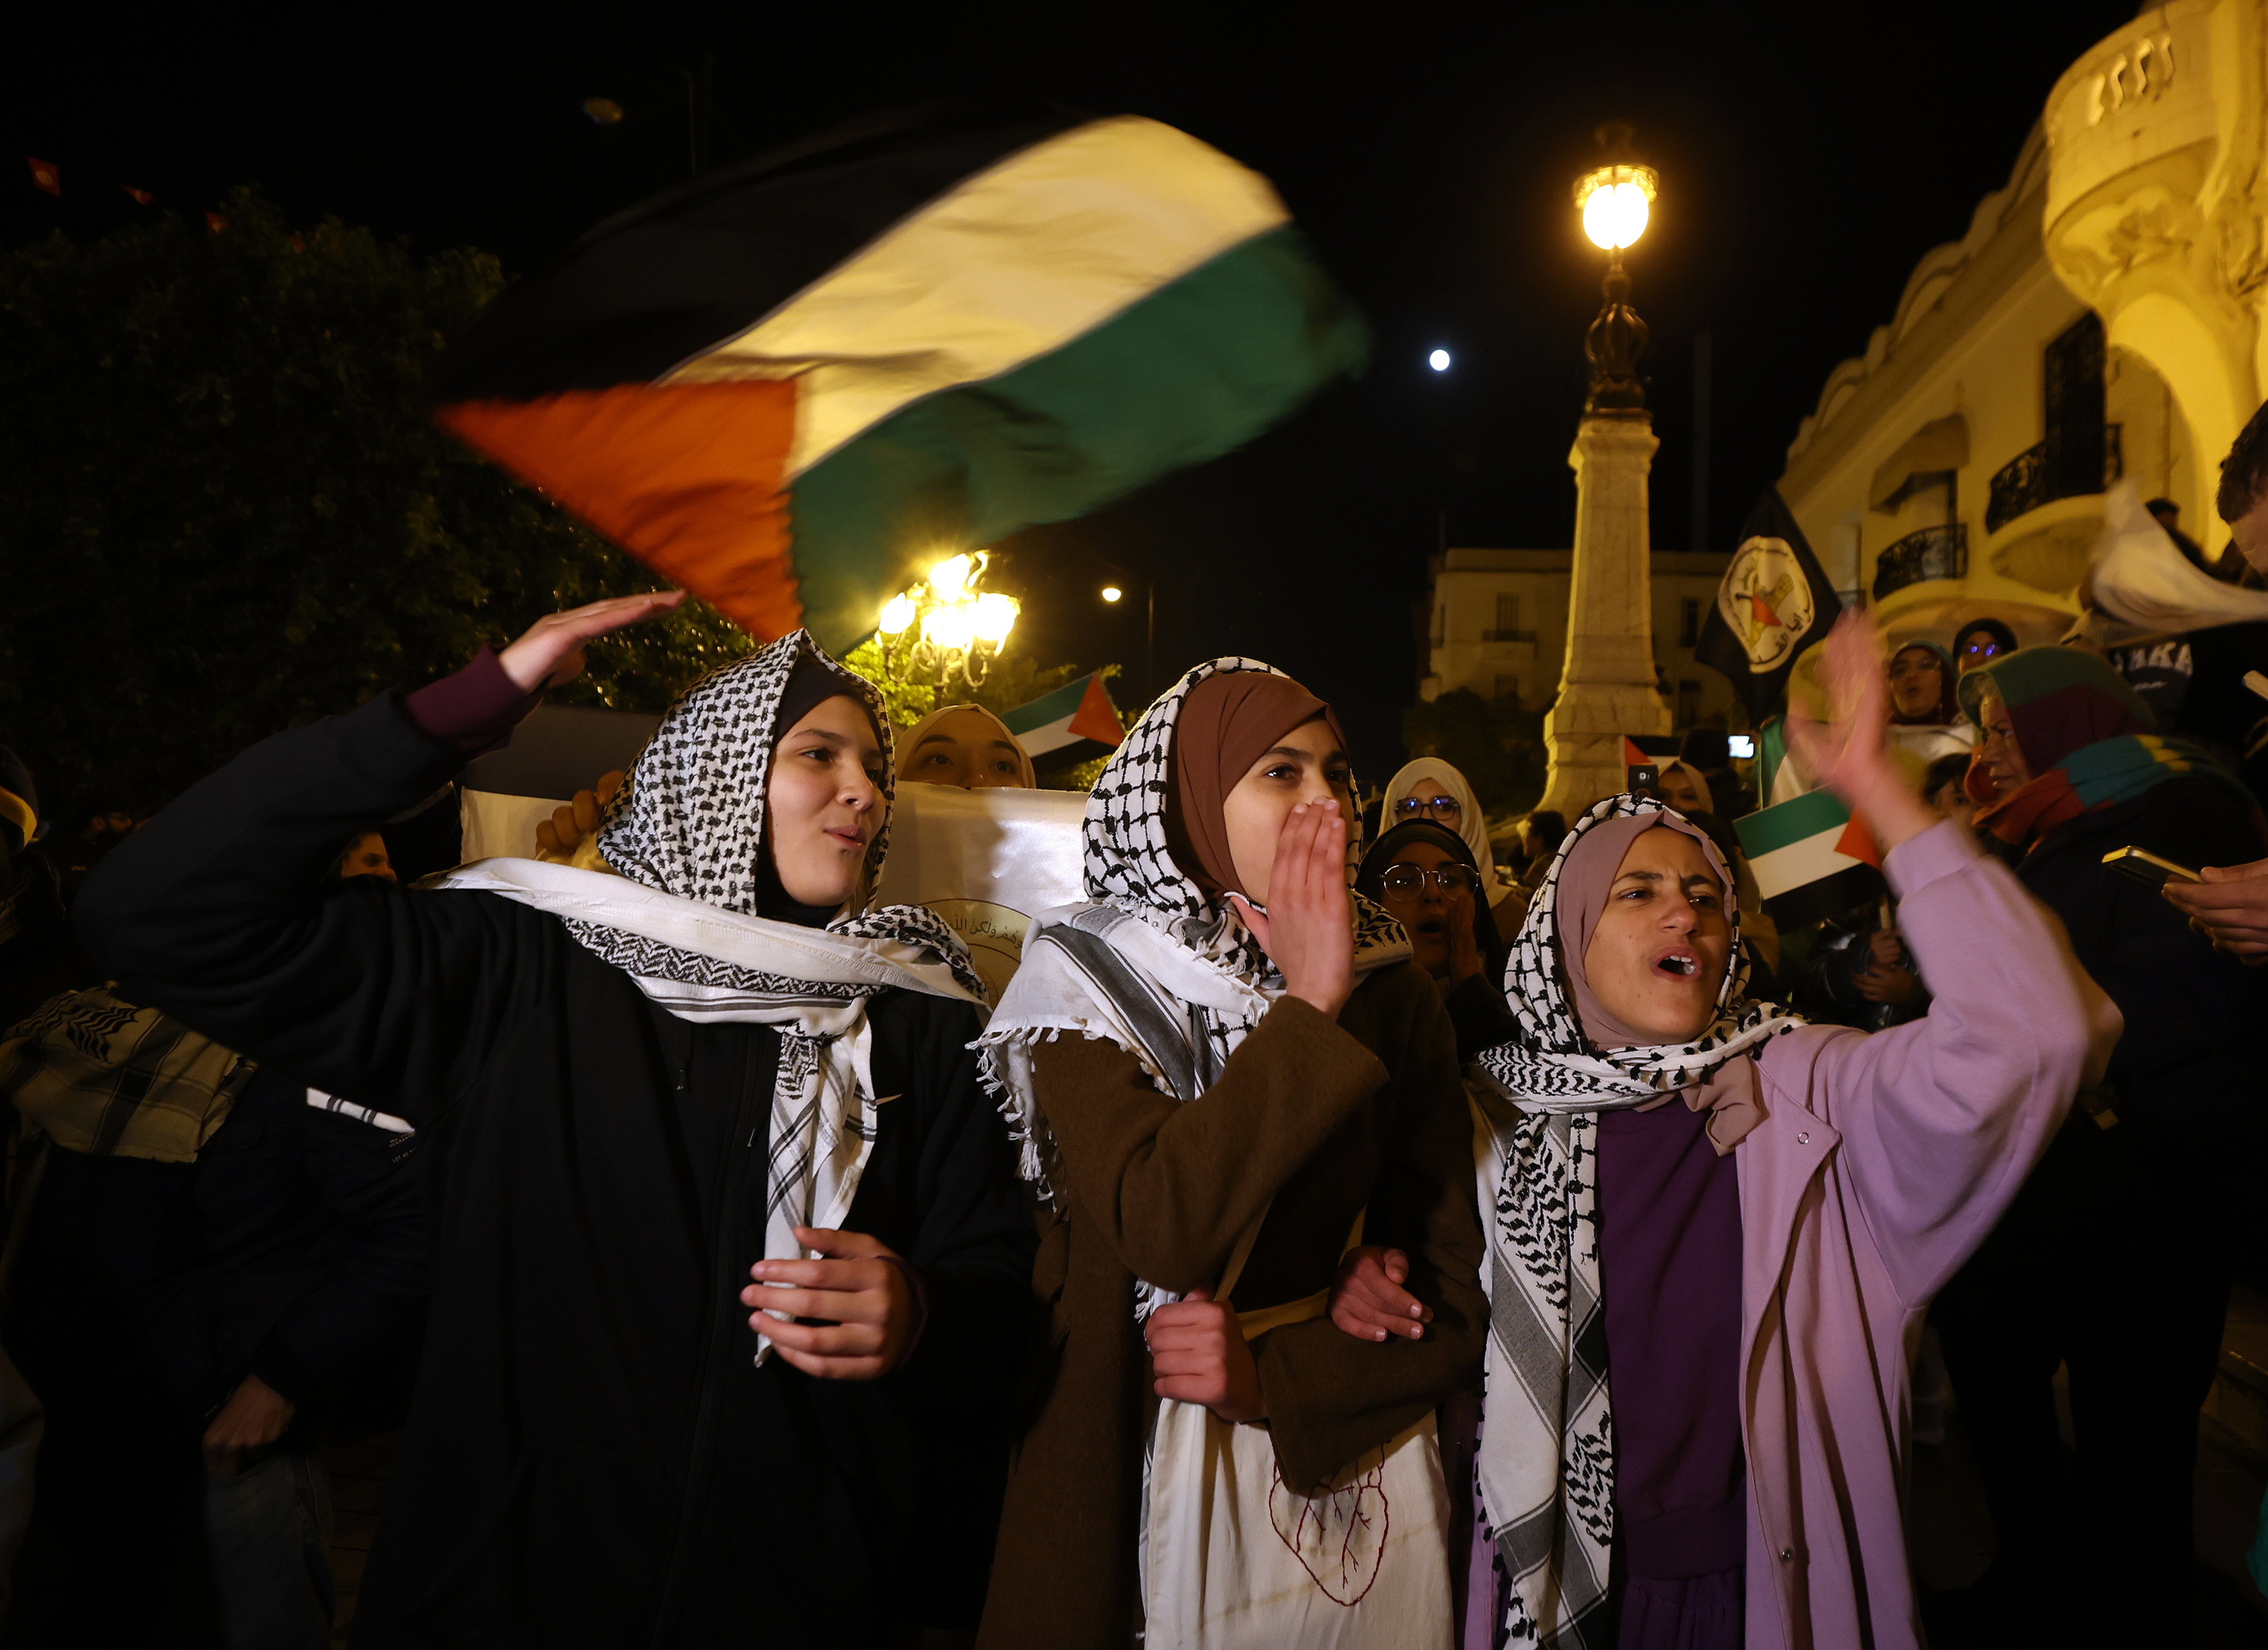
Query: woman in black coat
2114, 1259
637, 1090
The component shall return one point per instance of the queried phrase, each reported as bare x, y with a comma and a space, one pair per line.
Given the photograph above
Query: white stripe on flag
1011, 264
1806, 859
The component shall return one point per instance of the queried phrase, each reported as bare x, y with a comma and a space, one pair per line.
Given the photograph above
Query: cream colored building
2102, 318
1498, 624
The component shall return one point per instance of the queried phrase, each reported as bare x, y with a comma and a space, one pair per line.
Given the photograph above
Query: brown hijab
1227, 723
1729, 1093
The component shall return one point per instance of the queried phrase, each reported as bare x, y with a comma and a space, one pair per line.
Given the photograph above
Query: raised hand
1368, 1300
550, 654
1464, 944
1307, 929
1850, 755
862, 1296
1198, 1350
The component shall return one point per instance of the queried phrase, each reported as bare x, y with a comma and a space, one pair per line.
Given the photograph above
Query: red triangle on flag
1857, 842
1632, 756
216, 222
142, 197
45, 175
1096, 717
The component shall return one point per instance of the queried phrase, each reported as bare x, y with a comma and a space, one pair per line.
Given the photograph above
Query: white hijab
1470, 826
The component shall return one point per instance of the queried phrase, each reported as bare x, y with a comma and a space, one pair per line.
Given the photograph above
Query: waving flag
791, 385
1774, 602
1076, 723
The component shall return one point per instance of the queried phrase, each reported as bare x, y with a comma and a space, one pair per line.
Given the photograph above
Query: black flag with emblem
1774, 602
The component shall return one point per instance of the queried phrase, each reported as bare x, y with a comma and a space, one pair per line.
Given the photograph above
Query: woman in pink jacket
1701, 1314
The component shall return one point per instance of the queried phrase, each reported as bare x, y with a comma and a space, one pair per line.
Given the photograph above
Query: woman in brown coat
1253, 1052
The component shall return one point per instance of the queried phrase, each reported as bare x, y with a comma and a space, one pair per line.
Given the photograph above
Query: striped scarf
2102, 775
1151, 964
1547, 1457
686, 833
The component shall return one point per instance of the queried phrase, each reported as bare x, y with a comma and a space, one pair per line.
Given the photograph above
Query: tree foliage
224, 509
1495, 744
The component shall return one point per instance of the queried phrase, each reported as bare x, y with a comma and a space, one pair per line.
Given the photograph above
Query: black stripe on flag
1848, 890
683, 271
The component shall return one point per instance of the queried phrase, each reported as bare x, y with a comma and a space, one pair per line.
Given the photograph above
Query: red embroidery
1339, 1536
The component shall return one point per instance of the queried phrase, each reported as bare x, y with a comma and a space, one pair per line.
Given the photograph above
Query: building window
1688, 700
2072, 459
1508, 686
1507, 614
1689, 623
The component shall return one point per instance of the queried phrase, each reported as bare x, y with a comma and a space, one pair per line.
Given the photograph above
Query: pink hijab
1729, 1094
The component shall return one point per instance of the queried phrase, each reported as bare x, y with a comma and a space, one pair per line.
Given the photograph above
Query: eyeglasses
1408, 882
1439, 807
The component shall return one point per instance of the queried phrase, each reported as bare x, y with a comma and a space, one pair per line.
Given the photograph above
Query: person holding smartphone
2116, 1258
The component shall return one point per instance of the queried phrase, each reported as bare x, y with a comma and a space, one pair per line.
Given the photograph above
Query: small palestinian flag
1075, 724
794, 384
45, 175
1775, 602
1812, 857
140, 197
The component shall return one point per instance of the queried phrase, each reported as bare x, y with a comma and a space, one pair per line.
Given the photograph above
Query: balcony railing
1507, 636
1932, 553
2022, 484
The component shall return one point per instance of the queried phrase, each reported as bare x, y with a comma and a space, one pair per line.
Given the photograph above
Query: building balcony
1508, 636
1940, 552
2023, 483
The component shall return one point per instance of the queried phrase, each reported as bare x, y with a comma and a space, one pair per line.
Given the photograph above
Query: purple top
1670, 1265
474, 711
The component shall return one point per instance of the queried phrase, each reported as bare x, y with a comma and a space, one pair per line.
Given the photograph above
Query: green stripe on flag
1054, 707
1191, 370
1783, 824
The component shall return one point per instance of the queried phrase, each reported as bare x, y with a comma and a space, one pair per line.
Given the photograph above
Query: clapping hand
1850, 754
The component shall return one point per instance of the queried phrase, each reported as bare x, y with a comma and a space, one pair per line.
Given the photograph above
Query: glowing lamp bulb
1439, 360
1615, 214
949, 577
1111, 593
897, 613
951, 627
993, 616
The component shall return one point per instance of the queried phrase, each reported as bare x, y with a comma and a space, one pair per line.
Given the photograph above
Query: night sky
1808, 157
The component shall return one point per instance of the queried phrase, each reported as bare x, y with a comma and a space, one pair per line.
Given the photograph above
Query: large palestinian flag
792, 384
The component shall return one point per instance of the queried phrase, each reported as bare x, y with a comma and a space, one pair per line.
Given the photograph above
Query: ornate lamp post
1607, 685
945, 626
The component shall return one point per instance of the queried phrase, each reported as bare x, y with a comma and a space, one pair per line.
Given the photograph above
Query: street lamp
1616, 201
945, 626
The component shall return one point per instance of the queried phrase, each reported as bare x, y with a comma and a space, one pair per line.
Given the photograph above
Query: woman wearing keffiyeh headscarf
1713, 1228
1222, 1068
659, 1105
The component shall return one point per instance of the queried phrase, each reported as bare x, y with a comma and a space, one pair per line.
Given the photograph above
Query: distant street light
1111, 593
1616, 201
603, 111
1439, 360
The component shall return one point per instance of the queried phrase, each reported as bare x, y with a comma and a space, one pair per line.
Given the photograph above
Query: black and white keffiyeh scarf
1547, 1456
685, 835
1151, 963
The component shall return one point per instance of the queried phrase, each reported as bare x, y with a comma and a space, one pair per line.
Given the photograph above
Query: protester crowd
1494, 1232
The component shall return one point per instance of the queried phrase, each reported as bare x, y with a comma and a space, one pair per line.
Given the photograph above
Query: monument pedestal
1607, 689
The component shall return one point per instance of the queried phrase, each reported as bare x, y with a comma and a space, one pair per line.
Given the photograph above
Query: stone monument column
1607, 686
